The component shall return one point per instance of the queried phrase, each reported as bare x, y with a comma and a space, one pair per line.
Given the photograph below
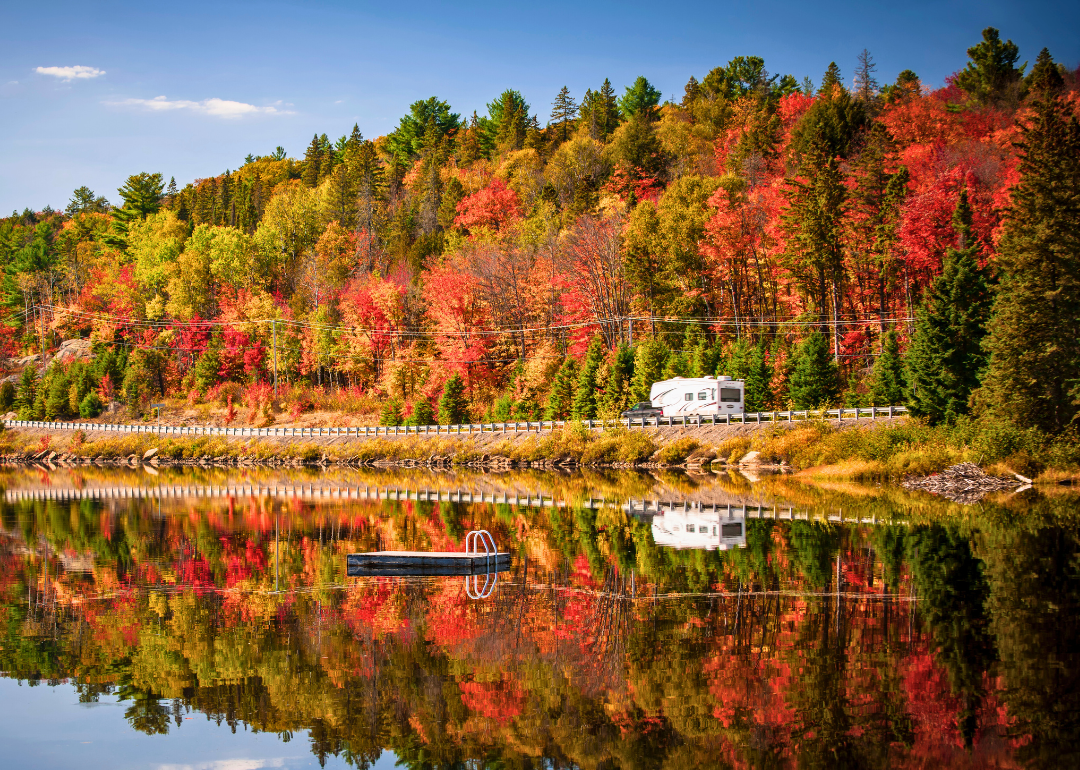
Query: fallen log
963, 483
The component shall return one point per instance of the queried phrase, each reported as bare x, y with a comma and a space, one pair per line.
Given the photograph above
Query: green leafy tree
946, 356
991, 76
560, 403
887, 379
1034, 341
585, 394
453, 407
814, 380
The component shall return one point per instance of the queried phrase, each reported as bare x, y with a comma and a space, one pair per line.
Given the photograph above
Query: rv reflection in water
694, 529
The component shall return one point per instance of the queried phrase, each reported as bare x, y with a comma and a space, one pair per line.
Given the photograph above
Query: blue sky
189, 89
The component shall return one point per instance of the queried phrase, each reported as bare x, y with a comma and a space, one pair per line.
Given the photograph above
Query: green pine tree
313, 162
991, 76
814, 380
561, 399
1034, 340
615, 381
391, 412
887, 379
585, 395
563, 112
27, 392
757, 381
453, 407
422, 413
650, 360
946, 356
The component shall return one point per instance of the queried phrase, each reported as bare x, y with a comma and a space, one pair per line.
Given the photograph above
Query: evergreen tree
1034, 341
887, 379
814, 223
757, 381
563, 111
391, 412
561, 399
866, 86
600, 111
83, 201
142, 197
677, 366
814, 380
946, 356
831, 80
422, 413
585, 395
313, 162
640, 98
650, 360
27, 392
991, 76
453, 408
615, 380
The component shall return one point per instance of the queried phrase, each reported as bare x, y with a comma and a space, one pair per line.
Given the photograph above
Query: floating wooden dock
403, 563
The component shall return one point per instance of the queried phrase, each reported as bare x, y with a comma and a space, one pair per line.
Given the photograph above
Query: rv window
731, 530
701, 396
688, 397
730, 394
689, 527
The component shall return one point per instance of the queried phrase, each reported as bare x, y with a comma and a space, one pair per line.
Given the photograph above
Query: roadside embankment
886, 448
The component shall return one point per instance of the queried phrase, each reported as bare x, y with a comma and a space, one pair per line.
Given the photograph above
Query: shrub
733, 448
7, 396
90, 406
678, 450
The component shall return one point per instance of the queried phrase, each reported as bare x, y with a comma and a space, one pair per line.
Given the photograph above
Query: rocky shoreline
153, 460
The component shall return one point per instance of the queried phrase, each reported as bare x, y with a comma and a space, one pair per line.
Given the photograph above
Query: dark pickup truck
643, 409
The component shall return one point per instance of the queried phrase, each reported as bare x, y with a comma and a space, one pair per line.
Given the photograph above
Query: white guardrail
862, 413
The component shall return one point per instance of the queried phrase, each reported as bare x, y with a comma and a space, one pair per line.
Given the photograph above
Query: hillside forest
844, 241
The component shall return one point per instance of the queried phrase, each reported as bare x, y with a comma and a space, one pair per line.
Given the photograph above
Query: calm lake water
206, 620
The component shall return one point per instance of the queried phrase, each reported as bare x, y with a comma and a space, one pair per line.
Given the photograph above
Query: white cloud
78, 72
228, 764
219, 108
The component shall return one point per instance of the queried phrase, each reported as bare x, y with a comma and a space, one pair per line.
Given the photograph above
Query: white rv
698, 395
697, 529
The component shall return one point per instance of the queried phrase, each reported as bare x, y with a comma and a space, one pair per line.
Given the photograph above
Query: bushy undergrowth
913, 447
678, 450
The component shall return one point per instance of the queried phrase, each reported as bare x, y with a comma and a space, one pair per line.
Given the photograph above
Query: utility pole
41, 333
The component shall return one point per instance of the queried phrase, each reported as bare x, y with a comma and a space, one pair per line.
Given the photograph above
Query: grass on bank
911, 447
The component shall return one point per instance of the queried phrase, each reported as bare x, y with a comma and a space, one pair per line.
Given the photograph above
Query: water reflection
843, 627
